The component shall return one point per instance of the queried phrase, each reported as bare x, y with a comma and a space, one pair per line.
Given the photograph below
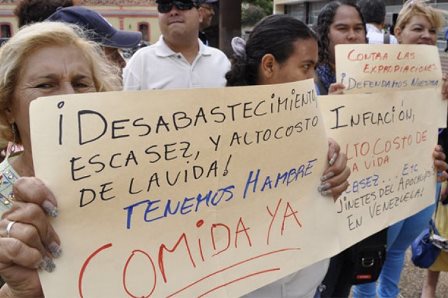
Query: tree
266, 5
255, 10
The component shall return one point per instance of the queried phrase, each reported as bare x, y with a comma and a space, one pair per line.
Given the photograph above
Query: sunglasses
180, 5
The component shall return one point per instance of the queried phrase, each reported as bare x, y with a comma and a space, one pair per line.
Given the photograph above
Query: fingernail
47, 264
323, 187
50, 208
39, 265
55, 249
326, 192
333, 159
327, 176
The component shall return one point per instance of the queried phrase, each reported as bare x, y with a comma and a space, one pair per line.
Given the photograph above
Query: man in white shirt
374, 13
179, 59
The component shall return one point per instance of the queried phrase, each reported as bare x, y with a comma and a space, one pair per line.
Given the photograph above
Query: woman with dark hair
276, 38
338, 23
282, 49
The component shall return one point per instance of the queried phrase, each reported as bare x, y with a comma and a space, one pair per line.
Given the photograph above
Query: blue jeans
399, 237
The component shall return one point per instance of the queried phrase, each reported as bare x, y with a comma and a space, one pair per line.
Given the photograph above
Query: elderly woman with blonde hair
417, 23
43, 59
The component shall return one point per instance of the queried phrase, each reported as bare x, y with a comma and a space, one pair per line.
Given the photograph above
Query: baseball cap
98, 28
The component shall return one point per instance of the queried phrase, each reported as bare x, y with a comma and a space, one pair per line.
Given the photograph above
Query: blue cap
98, 29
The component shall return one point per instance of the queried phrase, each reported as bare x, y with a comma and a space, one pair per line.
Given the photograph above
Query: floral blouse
7, 178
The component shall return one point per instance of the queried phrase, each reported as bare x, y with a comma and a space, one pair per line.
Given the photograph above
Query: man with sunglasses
178, 59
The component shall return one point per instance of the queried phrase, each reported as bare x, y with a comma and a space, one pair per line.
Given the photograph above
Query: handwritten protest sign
380, 68
369, 68
213, 192
388, 139
183, 193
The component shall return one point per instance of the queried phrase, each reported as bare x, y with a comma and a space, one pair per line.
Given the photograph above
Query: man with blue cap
178, 59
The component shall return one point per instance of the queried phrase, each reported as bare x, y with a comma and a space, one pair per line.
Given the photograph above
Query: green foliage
251, 14
266, 5
254, 10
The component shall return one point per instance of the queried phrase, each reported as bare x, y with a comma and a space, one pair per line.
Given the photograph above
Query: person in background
417, 23
282, 49
33, 11
99, 30
207, 12
68, 11
374, 13
179, 59
339, 22
43, 59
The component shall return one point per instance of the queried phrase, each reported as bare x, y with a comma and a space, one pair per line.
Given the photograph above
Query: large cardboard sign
388, 139
374, 68
183, 193
213, 193
366, 68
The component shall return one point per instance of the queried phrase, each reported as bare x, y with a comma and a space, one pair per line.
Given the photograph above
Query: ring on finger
8, 228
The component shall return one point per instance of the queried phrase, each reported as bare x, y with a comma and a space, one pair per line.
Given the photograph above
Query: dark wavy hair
274, 35
373, 11
324, 21
33, 11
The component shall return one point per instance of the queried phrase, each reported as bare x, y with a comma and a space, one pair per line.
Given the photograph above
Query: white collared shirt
376, 36
159, 67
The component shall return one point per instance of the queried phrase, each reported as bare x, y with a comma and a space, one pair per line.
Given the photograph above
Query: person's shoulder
147, 50
220, 58
214, 51
142, 55
393, 39
375, 37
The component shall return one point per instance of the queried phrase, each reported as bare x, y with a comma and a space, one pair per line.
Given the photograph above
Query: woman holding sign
40, 60
282, 49
339, 23
342, 23
417, 24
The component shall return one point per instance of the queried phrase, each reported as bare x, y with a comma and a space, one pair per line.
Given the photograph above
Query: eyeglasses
181, 5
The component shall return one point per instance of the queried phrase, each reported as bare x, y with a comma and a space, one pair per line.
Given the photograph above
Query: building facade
307, 11
130, 15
